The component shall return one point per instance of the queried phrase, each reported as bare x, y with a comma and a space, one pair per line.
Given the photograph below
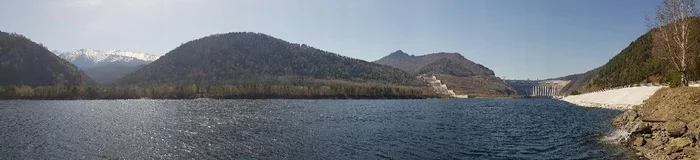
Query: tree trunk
684, 80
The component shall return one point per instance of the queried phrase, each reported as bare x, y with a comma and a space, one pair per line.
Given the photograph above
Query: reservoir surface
305, 129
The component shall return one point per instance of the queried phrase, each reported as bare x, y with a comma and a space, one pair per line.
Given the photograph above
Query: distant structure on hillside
538, 88
550, 88
438, 86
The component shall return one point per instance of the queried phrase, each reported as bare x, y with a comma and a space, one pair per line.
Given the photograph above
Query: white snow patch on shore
619, 99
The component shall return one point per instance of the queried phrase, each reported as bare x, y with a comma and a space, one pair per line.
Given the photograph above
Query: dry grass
673, 104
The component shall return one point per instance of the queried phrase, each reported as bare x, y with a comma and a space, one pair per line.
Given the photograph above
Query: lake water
305, 129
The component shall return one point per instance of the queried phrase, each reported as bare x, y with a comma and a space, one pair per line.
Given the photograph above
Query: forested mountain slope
242, 57
24, 62
641, 62
457, 72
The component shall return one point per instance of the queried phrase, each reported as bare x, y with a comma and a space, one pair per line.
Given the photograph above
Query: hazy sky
515, 38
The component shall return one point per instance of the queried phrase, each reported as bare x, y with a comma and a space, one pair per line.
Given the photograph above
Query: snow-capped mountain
87, 58
106, 66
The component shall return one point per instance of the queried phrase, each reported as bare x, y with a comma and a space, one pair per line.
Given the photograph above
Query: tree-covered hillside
434, 62
457, 72
641, 62
23, 62
108, 73
634, 64
235, 58
579, 81
449, 67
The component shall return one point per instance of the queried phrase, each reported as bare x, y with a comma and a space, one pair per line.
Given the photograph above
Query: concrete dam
538, 88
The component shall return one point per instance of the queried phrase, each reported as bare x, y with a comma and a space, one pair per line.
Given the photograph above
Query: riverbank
239, 91
618, 99
666, 126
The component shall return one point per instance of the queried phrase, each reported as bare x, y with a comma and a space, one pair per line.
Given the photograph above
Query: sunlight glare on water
305, 129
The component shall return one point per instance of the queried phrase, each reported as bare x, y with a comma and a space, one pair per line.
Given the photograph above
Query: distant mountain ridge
245, 57
24, 62
414, 64
579, 81
458, 72
86, 58
106, 66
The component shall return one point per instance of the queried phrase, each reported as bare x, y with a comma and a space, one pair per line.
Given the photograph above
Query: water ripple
304, 129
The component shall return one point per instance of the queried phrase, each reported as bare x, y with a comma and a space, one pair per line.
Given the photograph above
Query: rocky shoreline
665, 127
659, 139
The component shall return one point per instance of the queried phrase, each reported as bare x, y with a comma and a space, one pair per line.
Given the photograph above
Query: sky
518, 39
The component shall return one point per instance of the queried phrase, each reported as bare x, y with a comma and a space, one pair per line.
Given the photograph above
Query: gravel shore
666, 126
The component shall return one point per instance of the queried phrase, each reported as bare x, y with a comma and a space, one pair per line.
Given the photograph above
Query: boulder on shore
675, 128
694, 129
675, 134
692, 152
625, 118
677, 144
639, 142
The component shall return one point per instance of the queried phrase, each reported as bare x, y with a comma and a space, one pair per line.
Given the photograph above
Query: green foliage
575, 92
673, 78
641, 63
23, 62
223, 58
633, 65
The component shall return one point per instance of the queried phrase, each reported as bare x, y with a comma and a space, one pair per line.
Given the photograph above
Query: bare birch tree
672, 27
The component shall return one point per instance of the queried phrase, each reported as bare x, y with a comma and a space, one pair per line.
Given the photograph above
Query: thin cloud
96, 18
82, 3
118, 4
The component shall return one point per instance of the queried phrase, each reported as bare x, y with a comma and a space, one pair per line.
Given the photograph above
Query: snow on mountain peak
92, 57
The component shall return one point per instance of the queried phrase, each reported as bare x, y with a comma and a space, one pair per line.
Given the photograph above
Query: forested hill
23, 62
415, 64
457, 72
235, 58
640, 62
578, 81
